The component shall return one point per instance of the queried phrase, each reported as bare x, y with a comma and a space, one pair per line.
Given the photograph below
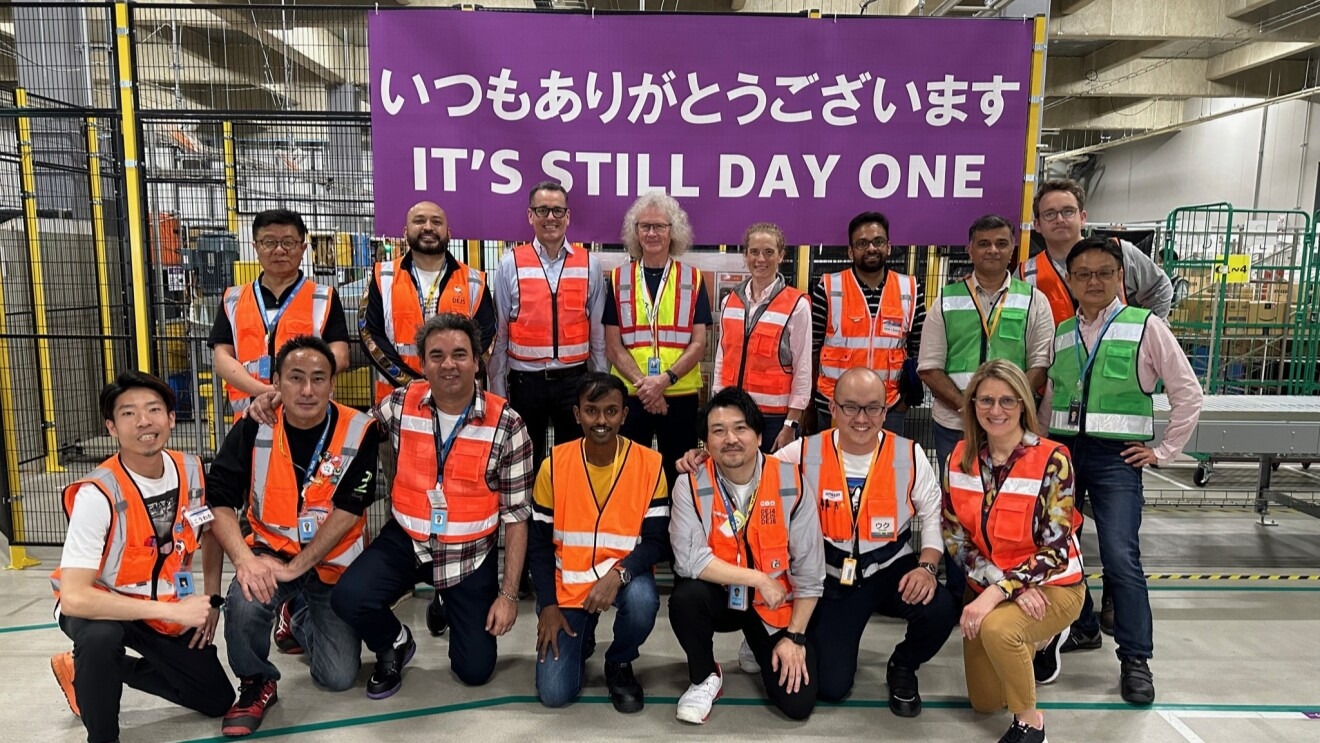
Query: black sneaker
1046, 662
255, 696
437, 619
904, 698
1020, 732
625, 692
1078, 640
1136, 684
1107, 615
388, 676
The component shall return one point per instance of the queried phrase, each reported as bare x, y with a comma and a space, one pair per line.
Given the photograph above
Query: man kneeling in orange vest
125, 579
306, 482
600, 523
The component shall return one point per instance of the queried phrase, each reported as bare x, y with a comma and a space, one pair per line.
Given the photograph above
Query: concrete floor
1236, 660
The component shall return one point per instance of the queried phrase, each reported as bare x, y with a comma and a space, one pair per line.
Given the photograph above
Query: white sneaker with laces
694, 706
747, 659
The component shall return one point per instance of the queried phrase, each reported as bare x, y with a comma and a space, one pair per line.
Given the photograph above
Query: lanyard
738, 518
274, 322
442, 453
319, 450
428, 301
1079, 345
843, 470
652, 308
996, 309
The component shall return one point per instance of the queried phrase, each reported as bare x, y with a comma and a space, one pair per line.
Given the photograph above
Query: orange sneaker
62, 666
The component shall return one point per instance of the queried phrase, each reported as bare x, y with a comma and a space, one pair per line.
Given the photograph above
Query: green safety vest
1115, 406
964, 333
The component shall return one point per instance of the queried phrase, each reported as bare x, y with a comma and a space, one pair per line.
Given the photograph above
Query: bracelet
508, 596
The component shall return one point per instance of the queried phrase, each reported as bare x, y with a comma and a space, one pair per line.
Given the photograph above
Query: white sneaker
747, 659
694, 706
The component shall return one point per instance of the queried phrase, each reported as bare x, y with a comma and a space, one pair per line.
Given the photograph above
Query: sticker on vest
652, 367
768, 517
183, 584
882, 527
199, 516
327, 469
264, 368
306, 528
738, 598
891, 327
848, 573
832, 495
776, 565
439, 520
727, 527
1074, 412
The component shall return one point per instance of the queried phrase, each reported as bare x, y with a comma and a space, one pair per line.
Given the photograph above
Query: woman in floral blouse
1009, 520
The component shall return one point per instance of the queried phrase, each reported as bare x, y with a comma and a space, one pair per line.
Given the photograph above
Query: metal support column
231, 179
137, 244
1036, 98
98, 238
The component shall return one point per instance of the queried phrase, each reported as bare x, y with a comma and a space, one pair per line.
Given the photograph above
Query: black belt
553, 374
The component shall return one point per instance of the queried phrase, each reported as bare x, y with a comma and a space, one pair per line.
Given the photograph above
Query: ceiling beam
1129, 115
1251, 56
1116, 54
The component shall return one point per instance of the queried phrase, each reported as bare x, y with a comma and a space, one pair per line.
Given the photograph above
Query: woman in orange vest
765, 339
1009, 520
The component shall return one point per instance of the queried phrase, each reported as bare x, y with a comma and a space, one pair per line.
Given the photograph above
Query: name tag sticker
832, 495
882, 528
199, 516
892, 327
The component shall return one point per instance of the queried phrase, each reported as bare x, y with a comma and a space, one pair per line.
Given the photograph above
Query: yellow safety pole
1036, 100
803, 268
231, 179
18, 557
474, 254
132, 190
28, 180
98, 239
934, 267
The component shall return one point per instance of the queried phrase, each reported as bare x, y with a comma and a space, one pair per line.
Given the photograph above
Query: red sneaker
255, 697
285, 642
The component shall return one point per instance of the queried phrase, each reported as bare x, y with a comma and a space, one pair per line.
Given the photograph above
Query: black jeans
675, 432
698, 609
543, 403
843, 612
168, 669
387, 570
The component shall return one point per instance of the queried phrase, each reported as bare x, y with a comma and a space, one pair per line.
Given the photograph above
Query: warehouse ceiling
1115, 67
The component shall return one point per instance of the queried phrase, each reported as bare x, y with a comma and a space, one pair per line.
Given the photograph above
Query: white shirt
89, 524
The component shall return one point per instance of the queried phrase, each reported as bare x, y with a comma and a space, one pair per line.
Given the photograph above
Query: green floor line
26, 627
941, 703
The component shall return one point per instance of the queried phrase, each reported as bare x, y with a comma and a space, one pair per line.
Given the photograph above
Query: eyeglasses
656, 227
851, 410
875, 242
545, 211
1104, 274
1007, 403
289, 244
1068, 212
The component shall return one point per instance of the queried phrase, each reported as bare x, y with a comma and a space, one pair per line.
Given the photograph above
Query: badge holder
738, 597
439, 511
306, 528
264, 368
1074, 413
652, 367
848, 574
183, 584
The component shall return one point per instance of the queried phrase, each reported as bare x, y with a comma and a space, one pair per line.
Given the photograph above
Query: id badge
199, 516
652, 366
264, 368
1074, 412
738, 598
882, 527
848, 574
183, 584
439, 520
306, 528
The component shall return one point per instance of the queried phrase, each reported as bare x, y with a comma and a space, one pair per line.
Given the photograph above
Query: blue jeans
955, 577
333, 648
559, 681
1115, 492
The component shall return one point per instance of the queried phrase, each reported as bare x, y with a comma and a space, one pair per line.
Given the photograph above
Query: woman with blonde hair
1009, 521
655, 328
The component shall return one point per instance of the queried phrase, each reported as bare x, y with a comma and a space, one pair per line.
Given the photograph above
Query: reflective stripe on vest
967, 347
562, 333
673, 332
1009, 537
403, 312
854, 338
473, 507
591, 539
764, 546
760, 362
273, 500
128, 562
308, 313
1115, 406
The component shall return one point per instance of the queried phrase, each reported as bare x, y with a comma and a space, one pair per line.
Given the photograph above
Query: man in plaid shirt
465, 464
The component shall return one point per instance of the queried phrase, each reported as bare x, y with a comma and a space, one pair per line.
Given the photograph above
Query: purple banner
742, 118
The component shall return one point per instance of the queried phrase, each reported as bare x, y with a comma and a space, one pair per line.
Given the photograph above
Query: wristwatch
624, 576
673, 378
797, 427
798, 638
930, 567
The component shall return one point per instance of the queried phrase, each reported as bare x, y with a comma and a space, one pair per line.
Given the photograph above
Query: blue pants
387, 570
1114, 490
333, 648
955, 577
558, 682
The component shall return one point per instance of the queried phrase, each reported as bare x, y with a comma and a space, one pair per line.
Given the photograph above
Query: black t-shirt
336, 326
230, 477
652, 276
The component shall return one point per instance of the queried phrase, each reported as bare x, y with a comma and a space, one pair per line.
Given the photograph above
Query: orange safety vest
886, 501
132, 549
763, 543
307, 313
273, 498
854, 338
472, 506
1008, 536
591, 539
401, 303
563, 333
759, 361
1039, 271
